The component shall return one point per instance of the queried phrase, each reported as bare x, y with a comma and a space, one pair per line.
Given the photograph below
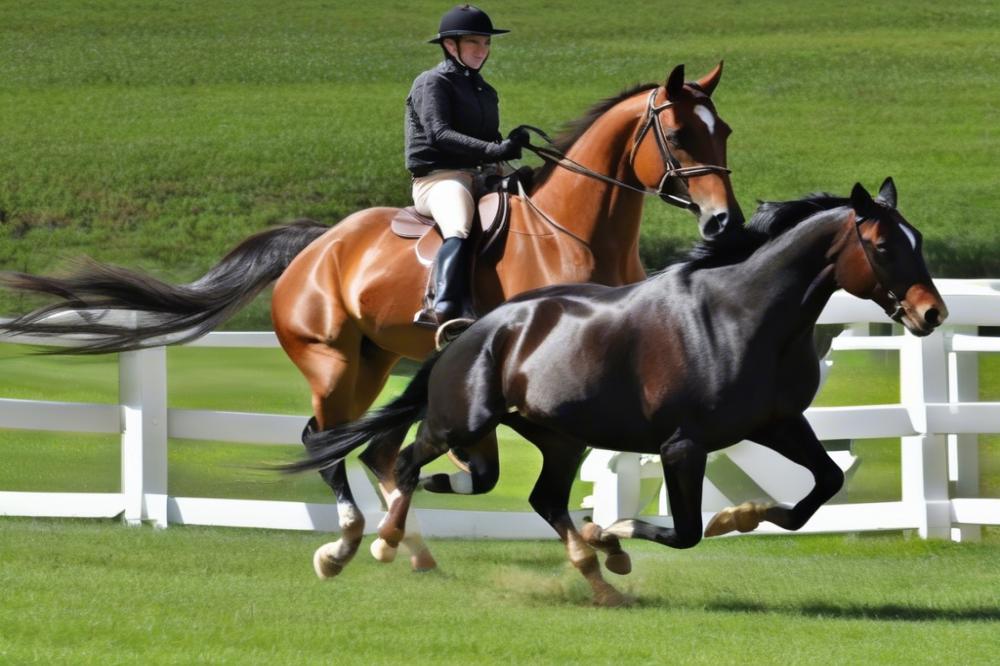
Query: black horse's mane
770, 220
574, 129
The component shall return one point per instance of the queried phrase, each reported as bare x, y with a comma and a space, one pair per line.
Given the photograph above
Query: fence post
963, 449
142, 390
924, 457
616, 479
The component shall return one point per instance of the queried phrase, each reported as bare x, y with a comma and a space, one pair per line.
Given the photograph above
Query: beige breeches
447, 196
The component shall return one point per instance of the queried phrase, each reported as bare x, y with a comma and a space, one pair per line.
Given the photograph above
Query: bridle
674, 175
672, 188
881, 277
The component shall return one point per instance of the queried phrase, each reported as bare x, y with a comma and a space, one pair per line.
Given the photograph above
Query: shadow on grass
827, 610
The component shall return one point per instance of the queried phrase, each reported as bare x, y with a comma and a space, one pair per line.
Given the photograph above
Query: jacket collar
451, 66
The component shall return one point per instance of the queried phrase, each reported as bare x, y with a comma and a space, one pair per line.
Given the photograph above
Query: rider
452, 136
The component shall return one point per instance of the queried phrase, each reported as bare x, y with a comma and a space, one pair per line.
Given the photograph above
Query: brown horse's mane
573, 130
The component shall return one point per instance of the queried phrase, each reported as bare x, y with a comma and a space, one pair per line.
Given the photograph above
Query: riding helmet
465, 20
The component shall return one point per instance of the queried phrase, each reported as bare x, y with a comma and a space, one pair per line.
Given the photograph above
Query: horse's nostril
932, 316
710, 230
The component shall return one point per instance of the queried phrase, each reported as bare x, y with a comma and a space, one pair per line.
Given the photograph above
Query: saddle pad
408, 223
492, 208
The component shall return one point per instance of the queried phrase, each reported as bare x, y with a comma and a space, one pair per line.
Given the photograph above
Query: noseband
673, 185
896, 314
674, 175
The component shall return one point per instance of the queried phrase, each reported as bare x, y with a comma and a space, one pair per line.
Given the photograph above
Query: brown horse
345, 297
695, 359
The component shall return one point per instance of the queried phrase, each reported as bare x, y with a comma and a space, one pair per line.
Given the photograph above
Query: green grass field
160, 135
98, 593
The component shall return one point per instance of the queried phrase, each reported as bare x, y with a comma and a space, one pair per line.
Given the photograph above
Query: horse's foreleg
793, 438
683, 463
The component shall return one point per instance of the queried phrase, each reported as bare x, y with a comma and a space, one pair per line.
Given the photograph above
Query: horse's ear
862, 202
710, 80
675, 82
887, 193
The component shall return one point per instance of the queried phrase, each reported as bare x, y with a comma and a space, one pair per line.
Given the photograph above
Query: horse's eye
674, 138
883, 250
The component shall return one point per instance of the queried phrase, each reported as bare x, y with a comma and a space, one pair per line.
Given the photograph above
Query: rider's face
471, 50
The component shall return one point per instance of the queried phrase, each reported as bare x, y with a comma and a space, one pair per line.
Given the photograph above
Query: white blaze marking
706, 116
909, 235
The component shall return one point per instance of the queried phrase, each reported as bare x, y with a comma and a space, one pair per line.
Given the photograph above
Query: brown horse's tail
120, 310
327, 448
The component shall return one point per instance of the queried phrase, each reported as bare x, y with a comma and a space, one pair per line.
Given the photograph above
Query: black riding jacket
452, 120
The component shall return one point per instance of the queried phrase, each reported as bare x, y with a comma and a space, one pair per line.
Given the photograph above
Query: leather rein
672, 188
896, 314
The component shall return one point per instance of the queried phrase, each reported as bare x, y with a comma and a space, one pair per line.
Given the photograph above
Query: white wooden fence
937, 420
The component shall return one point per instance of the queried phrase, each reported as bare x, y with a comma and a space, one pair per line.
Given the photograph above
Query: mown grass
158, 135
93, 592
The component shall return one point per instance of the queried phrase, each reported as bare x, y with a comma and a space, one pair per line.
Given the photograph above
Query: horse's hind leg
331, 375
331, 558
483, 462
406, 472
380, 455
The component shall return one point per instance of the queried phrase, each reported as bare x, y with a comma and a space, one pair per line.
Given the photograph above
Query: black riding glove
520, 136
506, 150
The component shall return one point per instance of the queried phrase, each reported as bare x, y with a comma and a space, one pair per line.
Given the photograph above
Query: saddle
493, 224
492, 215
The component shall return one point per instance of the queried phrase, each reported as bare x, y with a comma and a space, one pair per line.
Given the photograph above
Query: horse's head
882, 260
680, 151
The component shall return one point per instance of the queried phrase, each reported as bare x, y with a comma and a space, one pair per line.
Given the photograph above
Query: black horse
707, 353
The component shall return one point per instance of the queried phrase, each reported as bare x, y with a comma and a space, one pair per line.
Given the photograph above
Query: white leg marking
706, 116
461, 483
348, 514
623, 529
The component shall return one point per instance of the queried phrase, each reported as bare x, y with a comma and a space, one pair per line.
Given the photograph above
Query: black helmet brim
459, 33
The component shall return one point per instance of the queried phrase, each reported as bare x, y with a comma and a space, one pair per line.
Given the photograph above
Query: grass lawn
96, 593
159, 135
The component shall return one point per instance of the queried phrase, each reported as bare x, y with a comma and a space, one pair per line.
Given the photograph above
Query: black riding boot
450, 284
451, 280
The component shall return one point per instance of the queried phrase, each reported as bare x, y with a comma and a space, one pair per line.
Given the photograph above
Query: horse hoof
423, 561
382, 551
325, 562
619, 563
611, 598
743, 518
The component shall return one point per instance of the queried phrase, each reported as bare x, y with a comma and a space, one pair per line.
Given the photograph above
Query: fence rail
937, 419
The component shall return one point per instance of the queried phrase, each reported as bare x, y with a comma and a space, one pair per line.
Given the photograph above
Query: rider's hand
508, 150
520, 136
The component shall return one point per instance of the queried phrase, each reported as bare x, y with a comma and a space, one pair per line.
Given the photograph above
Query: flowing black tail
327, 448
121, 310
